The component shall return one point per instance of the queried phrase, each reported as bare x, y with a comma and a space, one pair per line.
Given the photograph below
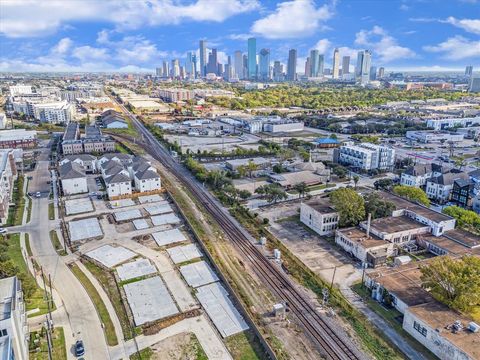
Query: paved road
80, 312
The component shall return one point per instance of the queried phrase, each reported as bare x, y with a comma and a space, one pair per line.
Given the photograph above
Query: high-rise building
321, 65
277, 71
189, 70
203, 57
314, 57
220, 69
158, 72
165, 72
346, 65
194, 61
292, 65
238, 63
469, 70
245, 66
212, 66
308, 69
264, 65
336, 64
362, 71
381, 72
373, 73
474, 84
252, 58
175, 68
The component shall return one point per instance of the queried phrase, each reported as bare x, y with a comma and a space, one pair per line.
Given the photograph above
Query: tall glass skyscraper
252, 58
203, 57
238, 63
292, 65
336, 64
346, 65
321, 64
314, 57
362, 71
264, 65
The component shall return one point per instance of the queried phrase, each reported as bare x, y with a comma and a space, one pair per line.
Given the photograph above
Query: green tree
244, 194
272, 192
378, 207
356, 178
350, 206
455, 282
301, 188
466, 219
251, 167
412, 193
8, 268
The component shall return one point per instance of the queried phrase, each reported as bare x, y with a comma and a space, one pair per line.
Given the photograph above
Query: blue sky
137, 35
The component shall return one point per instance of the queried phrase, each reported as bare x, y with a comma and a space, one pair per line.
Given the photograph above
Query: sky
137, 35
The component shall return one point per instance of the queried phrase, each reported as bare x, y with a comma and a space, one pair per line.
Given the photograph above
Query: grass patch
320, 187
243, 346
15, 213
99, 305
29, 210
392, 316
121, 148
107, 280
51, 211
59, 248
38, 346
129, 281
27, 245
35, 300
144, 354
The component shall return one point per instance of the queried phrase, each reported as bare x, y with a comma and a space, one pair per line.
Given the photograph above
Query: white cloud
292, 19
469, 25
33, 18
383, 45
90, 53
456, 48
63, 46
322, 45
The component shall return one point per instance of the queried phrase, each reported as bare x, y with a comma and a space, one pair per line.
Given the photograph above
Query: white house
319, 216
86, 161
73, 179
438, 188
118, 185
418, 175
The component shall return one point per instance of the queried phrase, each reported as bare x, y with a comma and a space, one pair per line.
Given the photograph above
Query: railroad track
330, 343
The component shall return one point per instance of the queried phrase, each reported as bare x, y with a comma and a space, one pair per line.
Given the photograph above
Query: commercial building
336, 64
264, 65
362, 71
443, 124
252, 58
13, 321
18, 138
292, 65
345, 65
283, 126
20, 89
366, 156
174, 95
474, 84
427, 136
8, 174
320, 216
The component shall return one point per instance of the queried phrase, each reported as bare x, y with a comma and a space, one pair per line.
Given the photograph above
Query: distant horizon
136, 37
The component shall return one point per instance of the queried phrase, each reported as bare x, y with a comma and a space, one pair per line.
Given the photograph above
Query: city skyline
62, 36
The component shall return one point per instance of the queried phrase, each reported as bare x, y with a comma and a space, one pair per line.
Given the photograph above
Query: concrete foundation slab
180, 254
134, 269
84, 229
149, 198
116, 204
160, 208
111, 256
165, 219
78, 206
149, 300
214, 299
127, 215
198, 274
140, 224
167, 237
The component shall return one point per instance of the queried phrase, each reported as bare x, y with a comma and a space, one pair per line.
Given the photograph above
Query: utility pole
49, 340
333, 277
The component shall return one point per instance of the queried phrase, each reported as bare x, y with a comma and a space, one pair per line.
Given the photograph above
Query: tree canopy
350, 206
412, 193
454, 282
378, 207
272, 192
466, 219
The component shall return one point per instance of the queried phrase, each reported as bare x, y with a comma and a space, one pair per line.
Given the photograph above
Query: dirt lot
180, 347
315, 251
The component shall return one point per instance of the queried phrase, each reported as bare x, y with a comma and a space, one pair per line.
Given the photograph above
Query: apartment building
174, 95
92, 142
366, 156
320, 216
8, 174
18, 138
13, 321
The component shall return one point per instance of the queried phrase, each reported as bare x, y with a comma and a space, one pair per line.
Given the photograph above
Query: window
3, 332
420, 328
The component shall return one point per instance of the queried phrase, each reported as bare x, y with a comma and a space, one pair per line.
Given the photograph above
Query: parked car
3, 230
79, 348
38, 194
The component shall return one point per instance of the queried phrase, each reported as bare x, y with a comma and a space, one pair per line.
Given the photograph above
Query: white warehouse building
367, 156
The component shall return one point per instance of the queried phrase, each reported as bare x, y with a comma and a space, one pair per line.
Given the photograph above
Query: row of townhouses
92, 142
122, 174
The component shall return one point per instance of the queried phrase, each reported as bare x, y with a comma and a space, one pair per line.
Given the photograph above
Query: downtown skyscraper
264, 65
292, 65
362, 71
336, 64
346, 65
238, 64
252, 58
203, 57
314, 63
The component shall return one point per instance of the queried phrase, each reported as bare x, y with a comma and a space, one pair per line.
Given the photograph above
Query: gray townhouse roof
117, 178
83, 157
112, 170
111, 119
448, 178
124, 158
423, 169
71, 170
147, 174
475, 174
